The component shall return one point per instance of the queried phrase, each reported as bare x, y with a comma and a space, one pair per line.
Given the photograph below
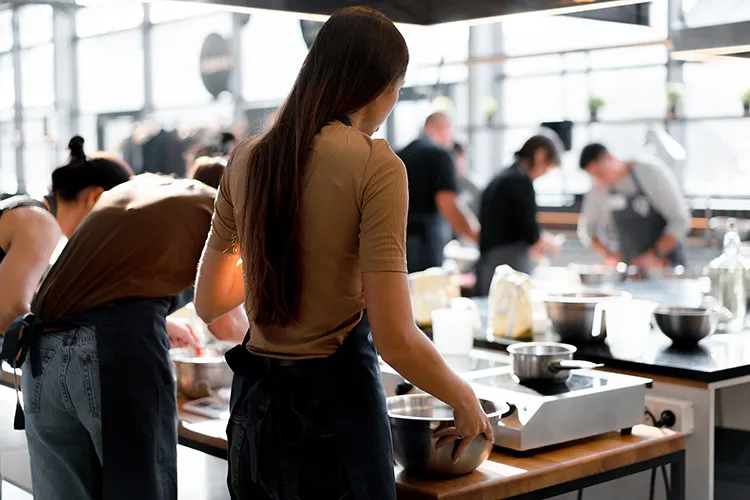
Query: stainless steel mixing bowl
597, 274
686, 326
200, 376
572, 314
414, 420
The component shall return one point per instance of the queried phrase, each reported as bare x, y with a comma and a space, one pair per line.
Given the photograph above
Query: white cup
629, 318
453, 331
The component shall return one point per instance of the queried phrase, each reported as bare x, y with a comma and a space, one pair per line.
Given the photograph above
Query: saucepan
545, 362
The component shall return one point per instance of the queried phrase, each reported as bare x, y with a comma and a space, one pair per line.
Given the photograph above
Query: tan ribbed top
354, 208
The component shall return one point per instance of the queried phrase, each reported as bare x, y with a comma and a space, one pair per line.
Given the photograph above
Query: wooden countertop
505, 475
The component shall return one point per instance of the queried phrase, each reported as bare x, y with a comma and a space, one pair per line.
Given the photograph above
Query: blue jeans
63, 417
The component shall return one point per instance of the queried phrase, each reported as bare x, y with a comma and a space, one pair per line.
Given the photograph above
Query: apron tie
22, 339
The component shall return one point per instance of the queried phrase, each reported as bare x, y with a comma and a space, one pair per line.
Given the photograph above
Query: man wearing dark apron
434, 209
98, 388
507, 213
643, 203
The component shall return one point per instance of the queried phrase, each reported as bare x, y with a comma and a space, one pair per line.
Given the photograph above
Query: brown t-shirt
143, 239
354, 208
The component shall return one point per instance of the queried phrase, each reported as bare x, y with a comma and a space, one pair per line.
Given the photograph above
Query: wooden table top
505, 475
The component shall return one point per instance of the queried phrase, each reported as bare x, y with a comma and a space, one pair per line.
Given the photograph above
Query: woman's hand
470, 422
181, 333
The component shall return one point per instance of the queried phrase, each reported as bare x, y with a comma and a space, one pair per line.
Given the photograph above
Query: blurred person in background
510, 232
308, 234
208, 170
227, 143
434, 209
98, 378
643, 203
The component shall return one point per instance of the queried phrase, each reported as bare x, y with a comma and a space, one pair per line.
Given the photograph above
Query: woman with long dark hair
314, 212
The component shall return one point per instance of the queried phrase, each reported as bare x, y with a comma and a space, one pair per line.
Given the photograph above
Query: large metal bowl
686, 326
597, 274
414, 420
572, 314
201, 376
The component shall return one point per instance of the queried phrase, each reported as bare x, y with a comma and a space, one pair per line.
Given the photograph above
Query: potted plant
595, 104
674, 98
490, 108
746, 102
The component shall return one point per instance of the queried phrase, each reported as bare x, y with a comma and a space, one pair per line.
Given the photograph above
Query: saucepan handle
571, 364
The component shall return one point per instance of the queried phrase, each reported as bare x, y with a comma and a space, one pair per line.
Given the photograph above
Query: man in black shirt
434, 212
507, 214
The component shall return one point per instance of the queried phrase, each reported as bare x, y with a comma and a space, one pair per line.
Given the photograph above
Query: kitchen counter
505, 475
716, 358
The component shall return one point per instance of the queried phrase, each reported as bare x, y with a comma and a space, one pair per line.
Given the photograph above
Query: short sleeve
385, 204
223, 236
445, 172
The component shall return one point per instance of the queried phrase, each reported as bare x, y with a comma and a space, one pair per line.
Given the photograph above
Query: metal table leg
677, 471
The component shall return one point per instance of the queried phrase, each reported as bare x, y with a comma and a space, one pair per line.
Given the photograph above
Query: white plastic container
453, 331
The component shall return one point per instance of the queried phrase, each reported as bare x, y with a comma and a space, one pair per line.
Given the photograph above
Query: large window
713, 12
7, 95
35, 25
6, 30
718, 157
8, 182
108, 16
176, 73
37, 76
166, 10
110, 72
273, 54
713, 89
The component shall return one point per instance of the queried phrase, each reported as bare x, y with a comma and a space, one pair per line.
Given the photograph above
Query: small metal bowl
686, 326
597, 274
414, 420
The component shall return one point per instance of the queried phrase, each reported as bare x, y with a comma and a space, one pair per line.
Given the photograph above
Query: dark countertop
718, 357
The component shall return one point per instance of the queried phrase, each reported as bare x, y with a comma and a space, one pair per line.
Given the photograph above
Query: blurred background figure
434, 210
508, 214
208, 170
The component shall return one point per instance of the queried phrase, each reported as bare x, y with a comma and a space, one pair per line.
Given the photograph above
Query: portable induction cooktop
590, 403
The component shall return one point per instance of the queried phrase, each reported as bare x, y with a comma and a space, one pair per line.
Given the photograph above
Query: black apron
138, 392
426, 237
639, 226
516, 255
348, 383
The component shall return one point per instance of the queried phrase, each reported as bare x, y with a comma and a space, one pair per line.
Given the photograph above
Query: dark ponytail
357, 55
103, 170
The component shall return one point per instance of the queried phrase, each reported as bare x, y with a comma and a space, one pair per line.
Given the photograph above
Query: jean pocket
92, 383
34, 402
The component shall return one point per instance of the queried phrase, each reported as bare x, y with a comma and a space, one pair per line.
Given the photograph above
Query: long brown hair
357, 55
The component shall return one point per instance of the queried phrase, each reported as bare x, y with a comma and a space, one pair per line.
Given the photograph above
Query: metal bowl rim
598, 295
395, 399
682, 312
513, 348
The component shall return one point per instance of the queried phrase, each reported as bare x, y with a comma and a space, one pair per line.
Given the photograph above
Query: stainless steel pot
414, 420
201, 376
545, 362
686, 326
572, 314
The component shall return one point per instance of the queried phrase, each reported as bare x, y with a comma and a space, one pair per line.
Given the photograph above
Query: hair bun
76, 147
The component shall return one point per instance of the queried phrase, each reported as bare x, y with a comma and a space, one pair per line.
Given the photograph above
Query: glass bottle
727, 273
